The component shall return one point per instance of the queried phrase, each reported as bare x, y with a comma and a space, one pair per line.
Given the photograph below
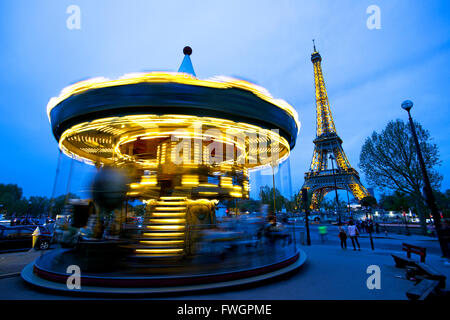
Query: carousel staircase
163, 234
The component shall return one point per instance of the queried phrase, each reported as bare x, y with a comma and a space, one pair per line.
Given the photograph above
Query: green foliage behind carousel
14, 204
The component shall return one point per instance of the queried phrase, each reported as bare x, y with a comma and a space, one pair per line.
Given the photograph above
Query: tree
303, 205
11, 199
291, 204
443, 202
250, 205
327, 204
389, 162
369, 202
266, 196
56, 205
397, 201
38, 206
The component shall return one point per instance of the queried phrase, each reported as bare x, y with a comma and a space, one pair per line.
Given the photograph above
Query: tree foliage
368, 201
266, 196
397, 201
13, 203
389, 159
443, 202
11, 198
389, 162
250, 205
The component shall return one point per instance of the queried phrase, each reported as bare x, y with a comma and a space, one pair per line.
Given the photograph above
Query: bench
423, 290
414, 249
401, 262
431, 274
419, 270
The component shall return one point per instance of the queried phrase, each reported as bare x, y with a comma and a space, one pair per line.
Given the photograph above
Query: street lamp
370, 226
335, 189
305, 202
407, 105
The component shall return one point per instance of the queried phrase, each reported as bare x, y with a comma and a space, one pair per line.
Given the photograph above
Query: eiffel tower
320, 179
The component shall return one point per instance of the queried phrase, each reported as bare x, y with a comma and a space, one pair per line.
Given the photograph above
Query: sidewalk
413, 237
11, 264
329, 273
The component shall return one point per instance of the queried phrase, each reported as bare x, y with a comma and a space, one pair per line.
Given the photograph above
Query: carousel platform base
91, 284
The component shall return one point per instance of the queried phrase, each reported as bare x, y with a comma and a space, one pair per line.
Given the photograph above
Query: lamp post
370, 226
335, 189
274, 197
348, 206
407, 105
305, 202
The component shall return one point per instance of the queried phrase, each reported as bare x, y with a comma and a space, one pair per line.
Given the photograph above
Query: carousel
180, 146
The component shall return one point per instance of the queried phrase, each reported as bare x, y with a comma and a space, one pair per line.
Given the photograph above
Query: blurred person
358, 224
343, 237
275, 231
353, 233
270, 229
323, 233
362, 226
430, 230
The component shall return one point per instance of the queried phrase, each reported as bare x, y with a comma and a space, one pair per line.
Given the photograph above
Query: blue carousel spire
186, 65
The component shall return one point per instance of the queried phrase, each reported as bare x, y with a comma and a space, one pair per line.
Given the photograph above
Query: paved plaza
329, 273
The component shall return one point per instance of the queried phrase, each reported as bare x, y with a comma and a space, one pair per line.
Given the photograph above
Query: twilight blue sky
368, 73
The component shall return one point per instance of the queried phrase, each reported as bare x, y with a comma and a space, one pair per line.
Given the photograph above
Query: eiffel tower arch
321, 179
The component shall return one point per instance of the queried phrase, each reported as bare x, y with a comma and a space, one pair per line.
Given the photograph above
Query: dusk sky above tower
368, 73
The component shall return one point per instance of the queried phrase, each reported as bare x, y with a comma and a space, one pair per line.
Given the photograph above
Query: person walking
323, 233
362, 227
343, 238
353, 234
359, 225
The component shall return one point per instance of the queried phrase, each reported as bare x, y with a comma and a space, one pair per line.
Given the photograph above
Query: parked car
45, 238
18, 238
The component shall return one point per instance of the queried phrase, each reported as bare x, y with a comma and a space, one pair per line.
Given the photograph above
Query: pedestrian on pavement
343, 237
360, 225
363, 226
353, 233
430, 230
323, 233
370, 226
